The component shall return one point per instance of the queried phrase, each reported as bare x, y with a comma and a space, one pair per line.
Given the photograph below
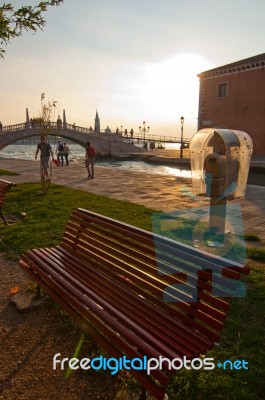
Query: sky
131, 60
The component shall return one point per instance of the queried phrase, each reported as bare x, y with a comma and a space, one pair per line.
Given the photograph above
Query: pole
144, 130
181, 138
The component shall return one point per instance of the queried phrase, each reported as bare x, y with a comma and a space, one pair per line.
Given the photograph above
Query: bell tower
97, 123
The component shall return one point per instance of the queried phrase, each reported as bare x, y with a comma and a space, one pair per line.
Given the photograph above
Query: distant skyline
133, 61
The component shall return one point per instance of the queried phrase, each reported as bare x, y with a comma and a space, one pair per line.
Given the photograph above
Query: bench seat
138, 294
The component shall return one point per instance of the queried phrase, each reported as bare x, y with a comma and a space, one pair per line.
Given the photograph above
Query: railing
154, 138
32, 125
80, 129
13, 128
139, 136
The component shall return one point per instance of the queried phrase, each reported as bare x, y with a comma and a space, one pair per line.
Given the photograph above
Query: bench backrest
194, 286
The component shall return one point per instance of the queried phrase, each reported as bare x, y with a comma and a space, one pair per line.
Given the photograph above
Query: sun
158, 92
172, 85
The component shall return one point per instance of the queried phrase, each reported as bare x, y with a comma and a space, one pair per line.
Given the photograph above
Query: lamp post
144, 130
181, 137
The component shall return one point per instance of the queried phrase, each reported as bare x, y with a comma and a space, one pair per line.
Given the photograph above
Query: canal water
27, 152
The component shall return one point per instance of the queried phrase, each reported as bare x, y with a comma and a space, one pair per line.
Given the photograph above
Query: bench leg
38, 294
143, 394
3, 218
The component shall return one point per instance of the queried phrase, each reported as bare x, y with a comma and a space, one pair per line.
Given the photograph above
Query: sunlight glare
172, 85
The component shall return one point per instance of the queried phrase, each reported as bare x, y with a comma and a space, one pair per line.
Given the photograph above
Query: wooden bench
137, 293
4, 187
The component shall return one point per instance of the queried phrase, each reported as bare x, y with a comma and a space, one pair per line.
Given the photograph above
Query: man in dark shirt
45, 153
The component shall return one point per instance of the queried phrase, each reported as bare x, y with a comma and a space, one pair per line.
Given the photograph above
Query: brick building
233, 96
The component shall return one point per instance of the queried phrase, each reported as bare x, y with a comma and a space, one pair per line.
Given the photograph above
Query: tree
14, 22
47, 113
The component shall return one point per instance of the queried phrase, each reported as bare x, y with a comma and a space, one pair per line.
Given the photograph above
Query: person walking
90, 160
60, 152
57, 148
59, 123
45, 153
66, 153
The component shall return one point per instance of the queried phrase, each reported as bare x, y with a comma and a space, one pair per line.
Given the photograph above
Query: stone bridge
105, 143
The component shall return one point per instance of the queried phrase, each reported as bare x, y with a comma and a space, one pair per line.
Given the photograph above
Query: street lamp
144, 130
181, 138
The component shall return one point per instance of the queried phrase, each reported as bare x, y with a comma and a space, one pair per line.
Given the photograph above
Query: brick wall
243, 108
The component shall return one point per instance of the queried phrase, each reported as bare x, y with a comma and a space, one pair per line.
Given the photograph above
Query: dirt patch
30, 340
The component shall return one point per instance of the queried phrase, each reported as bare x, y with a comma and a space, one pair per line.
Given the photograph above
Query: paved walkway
160, 192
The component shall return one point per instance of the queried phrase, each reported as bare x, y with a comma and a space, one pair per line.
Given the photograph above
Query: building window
222, 90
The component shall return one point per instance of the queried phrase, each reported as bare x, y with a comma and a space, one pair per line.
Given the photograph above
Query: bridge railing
59, 126
80, 129
49, 126
29, 125
13, 128
154, 138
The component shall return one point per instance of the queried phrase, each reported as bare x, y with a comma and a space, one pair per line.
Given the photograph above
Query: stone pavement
160, 192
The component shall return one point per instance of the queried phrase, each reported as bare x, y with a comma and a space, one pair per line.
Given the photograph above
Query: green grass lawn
46, 216
5, 172
243, 336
